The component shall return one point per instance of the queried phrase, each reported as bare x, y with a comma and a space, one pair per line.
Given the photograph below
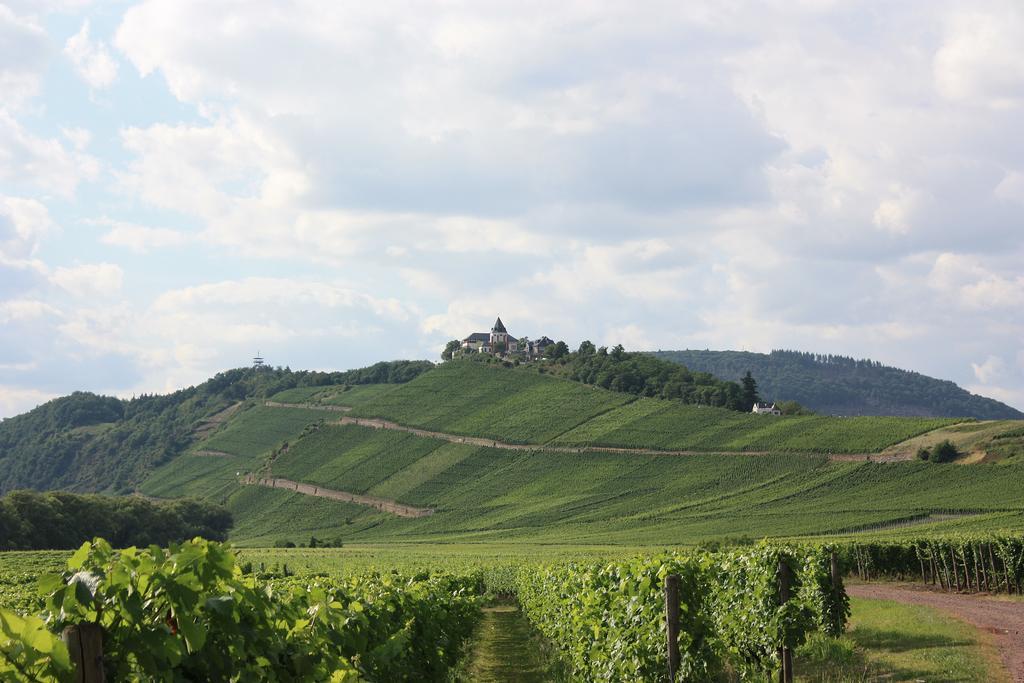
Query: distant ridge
839, 385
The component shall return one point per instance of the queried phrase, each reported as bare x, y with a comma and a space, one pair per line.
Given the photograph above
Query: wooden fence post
85, 645
672, 624
785, 654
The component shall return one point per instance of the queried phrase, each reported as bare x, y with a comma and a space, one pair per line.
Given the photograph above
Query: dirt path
504, 651
377, 423
382, 504
308, 406
213, 454
209, 424
1003, 619
889, 455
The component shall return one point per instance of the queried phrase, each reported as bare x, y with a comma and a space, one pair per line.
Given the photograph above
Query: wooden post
85, 645
672, 624
785, 654
837, 576
992, 563
979, 568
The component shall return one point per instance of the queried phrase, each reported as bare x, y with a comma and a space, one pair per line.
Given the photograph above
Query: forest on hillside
840, 385
57, 520
89, 443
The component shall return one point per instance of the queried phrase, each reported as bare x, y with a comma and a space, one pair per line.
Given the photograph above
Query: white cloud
78, 137
23, 224
91, 59
982, 57
15, 400
276, 292
41, 163
1011, 187
710, 174
989, 371
631, 336
90, 280
23, 56
140, 238
895, 213
15, 310
974, 286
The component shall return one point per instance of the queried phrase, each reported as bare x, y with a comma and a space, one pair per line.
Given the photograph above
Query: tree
557, 350
749, 392
618, 352
450, 349
945, 451
587, 348
792, 408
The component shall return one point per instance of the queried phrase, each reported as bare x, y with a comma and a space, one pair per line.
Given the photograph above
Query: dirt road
308, 406
1003, 619
382, 504
377, 423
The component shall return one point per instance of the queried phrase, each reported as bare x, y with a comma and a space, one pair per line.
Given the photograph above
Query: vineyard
189, 613
192, 612
990, 563
679, 427
609, 620
474, 399
199, 610
333, 395
259, 428
484, 494
487, 494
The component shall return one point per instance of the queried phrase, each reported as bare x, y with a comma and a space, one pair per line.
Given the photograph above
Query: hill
838, 385
513, 455
485, 452
89, 443
521, 406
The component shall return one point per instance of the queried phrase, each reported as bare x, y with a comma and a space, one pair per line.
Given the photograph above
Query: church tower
499, 335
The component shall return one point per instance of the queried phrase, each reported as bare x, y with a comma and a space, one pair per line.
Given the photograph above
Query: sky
185, 183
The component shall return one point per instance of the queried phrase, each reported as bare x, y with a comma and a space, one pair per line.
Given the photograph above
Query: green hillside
488, 494
492, 401
89, 443
514, 454
520, 406
837, 385
563, 492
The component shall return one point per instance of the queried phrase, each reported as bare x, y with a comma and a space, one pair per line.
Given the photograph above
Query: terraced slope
474, 399
333, 395
650, 423
210, 469
486, 494
480, 493
523, 407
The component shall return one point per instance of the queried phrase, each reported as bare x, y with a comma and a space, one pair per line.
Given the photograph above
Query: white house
766, 409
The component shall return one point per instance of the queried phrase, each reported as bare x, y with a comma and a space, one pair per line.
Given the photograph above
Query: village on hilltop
499, 342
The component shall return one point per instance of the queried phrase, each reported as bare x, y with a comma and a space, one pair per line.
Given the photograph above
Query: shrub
945, 452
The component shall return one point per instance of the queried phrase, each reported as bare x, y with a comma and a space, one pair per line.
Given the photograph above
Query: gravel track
382, 504
1003, 619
